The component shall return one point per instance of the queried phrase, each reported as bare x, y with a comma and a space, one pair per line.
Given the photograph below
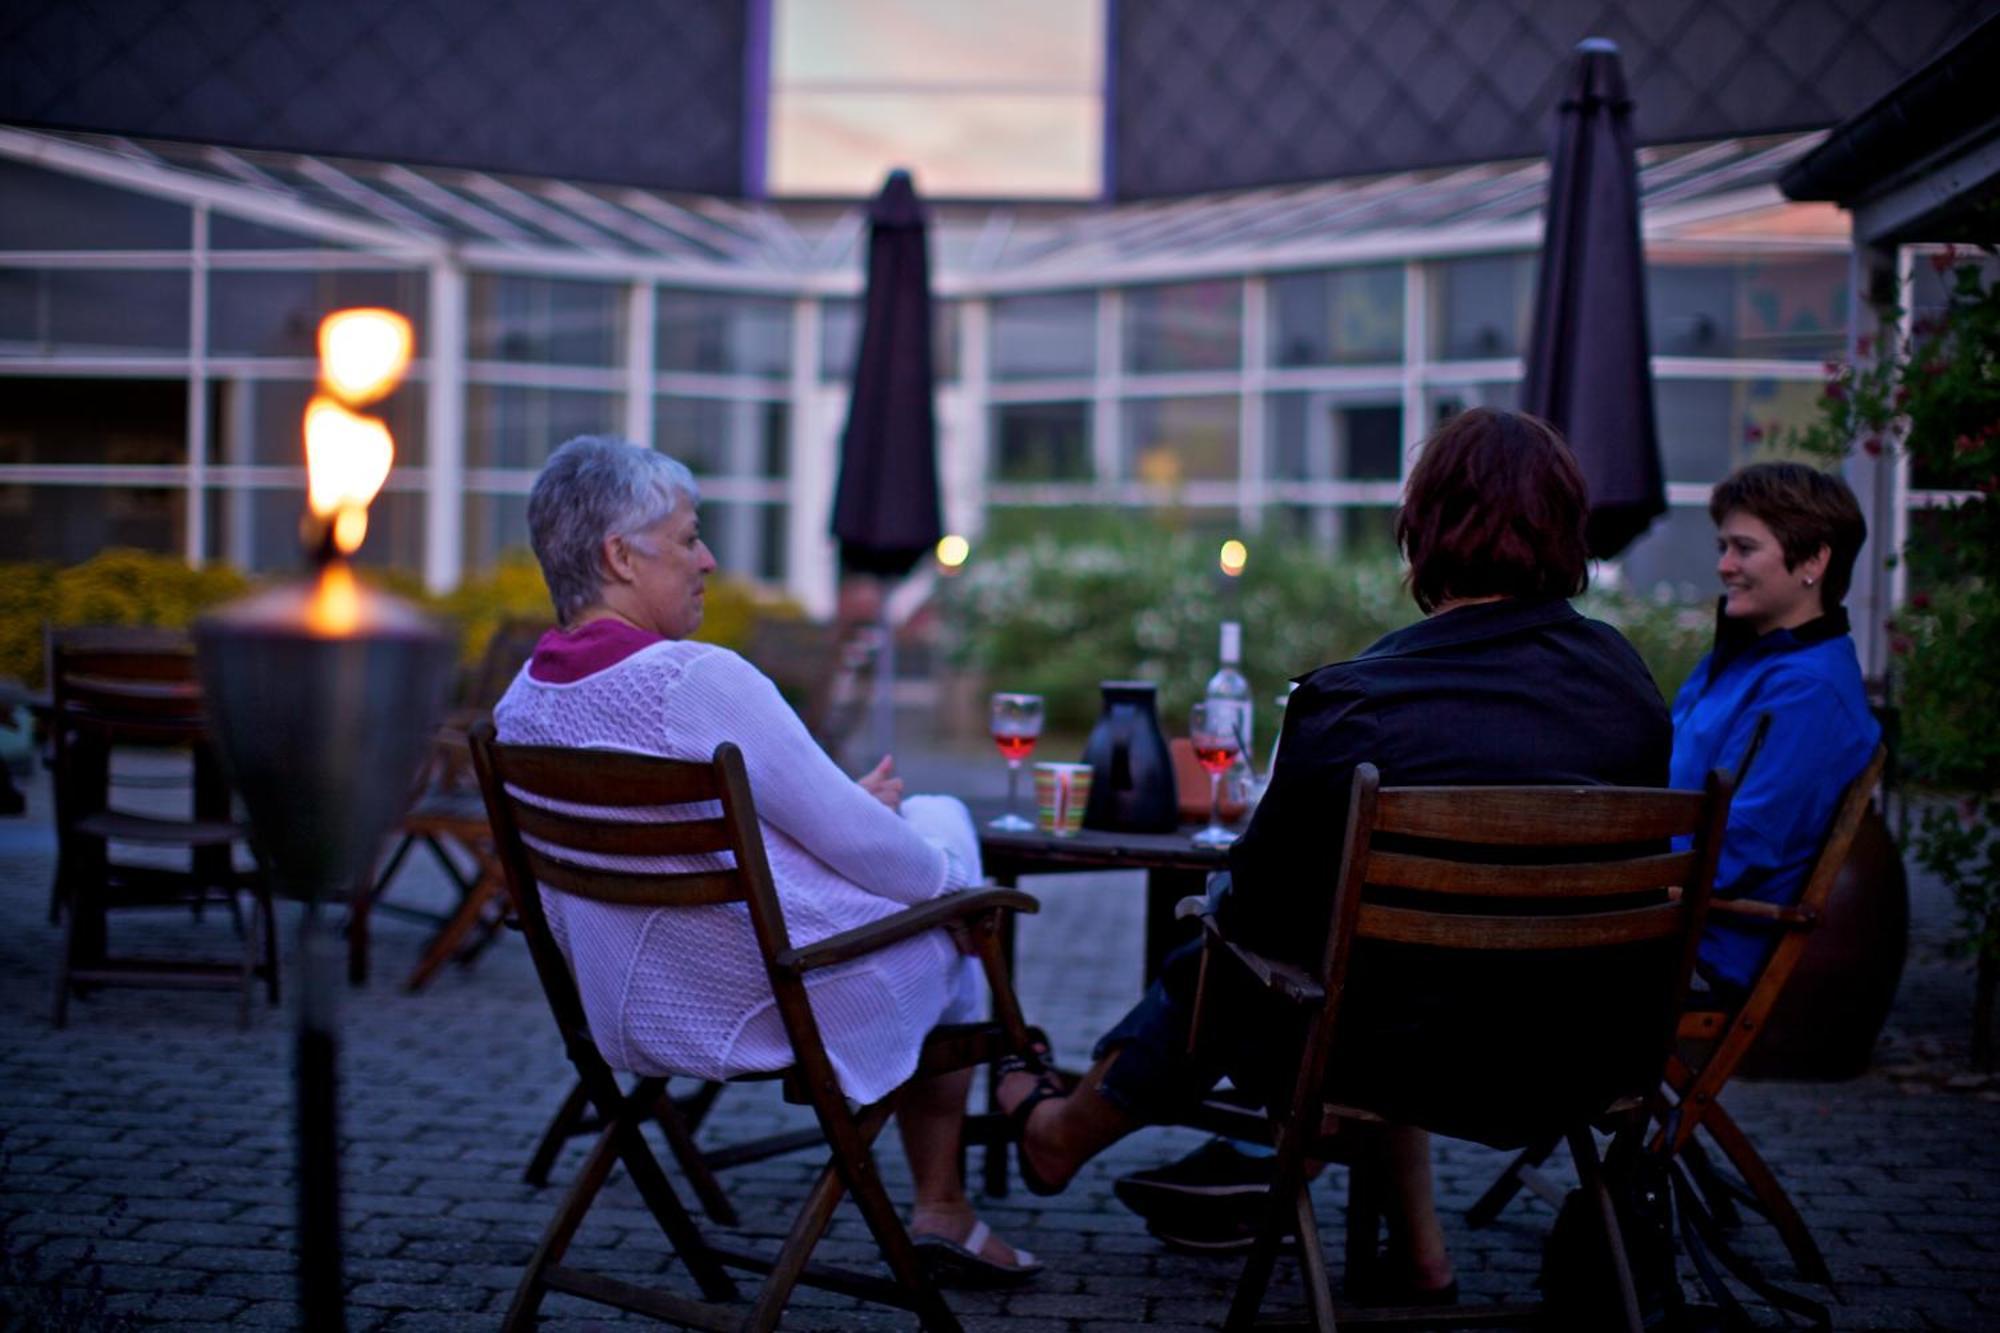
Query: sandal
953, 1263
1048, 1084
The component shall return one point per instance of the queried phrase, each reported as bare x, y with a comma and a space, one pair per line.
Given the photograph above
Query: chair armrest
851, 944
1285, 979
1752, 912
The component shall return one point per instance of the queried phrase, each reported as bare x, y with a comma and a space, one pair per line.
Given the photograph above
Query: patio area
146, 1161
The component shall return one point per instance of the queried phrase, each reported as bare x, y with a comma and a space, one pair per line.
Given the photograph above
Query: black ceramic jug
1131, 771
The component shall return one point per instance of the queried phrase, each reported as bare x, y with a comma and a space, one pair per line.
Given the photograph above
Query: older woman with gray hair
616, 529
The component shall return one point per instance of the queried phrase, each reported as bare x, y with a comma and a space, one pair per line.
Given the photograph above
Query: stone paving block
209, 1309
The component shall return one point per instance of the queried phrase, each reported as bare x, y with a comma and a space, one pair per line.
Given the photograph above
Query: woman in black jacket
1502, 682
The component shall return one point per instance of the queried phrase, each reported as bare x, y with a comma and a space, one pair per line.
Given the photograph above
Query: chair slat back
125, 685
1568, 880
1537, 816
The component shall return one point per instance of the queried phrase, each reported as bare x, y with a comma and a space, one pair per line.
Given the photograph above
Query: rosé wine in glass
1016, 722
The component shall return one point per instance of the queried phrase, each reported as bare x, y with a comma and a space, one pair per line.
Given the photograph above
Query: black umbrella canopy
885, 509
1588, 362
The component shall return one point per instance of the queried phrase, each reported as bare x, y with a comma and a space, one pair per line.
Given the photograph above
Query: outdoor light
322, 693
1234, 556
952, 551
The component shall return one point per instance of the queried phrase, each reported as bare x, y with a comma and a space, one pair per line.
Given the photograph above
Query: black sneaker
1206, 1193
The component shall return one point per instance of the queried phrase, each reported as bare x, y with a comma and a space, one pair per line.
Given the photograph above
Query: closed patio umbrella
1588, 366
885, 508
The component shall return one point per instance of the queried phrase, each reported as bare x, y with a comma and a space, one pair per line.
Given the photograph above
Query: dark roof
1937, 114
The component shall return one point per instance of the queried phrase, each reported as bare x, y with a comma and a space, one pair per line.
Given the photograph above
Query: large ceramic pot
1825, 1023
1131, 772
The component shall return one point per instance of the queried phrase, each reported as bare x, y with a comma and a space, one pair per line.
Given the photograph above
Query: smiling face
658, 573
1757, 587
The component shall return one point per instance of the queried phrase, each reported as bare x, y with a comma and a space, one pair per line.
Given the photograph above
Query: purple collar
563, 657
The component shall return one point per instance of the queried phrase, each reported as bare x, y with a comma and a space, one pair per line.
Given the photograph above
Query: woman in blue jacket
1786, 538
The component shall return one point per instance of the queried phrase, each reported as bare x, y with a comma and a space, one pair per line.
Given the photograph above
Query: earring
1810, 580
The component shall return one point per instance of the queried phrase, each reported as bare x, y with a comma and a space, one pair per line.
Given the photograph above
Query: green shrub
1670, 636
117, 587
27, 597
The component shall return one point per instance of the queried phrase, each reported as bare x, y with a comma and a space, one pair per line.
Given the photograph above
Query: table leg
1164, 890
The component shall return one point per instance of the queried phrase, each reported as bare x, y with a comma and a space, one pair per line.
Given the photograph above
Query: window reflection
1791, 307
1708, 428
46, 210
551, 321
98, 312
1186, 326
1050, 336
278, 314
1169, 441
1041, 442
510, 426
1481, 306
724, 334
1339, 317
260, 421
1323, 437
719, 437
70, 524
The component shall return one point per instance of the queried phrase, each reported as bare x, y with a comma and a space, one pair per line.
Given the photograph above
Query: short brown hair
1805, 509
1494, 506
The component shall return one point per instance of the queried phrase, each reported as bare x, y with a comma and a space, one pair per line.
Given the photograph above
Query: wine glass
1016, 722
1215, 729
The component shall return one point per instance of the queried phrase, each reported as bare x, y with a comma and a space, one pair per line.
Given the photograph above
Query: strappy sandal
1049, 1083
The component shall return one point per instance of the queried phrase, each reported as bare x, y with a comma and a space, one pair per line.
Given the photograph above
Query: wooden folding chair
1483, 871
525, 787
1712, 1042
447, 817
116, 689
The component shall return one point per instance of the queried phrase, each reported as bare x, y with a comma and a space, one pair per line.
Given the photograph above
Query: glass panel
1041, 442
516, 426
1317, 436
68, 524
1481, 306
1045, 337
748, 539
1708, 428
46, 210
258, 530
278, 314
1342, 317
1360, 531
113, 423
395, 534
717, 333
547, 321
718, 437
840, 339
262, 422
233, 233
1675, 560
1172, 440
494, 525
1448, 400
1790, 306
51, 312
1187, 326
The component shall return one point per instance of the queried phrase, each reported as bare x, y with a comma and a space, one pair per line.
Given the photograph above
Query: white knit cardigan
683, 990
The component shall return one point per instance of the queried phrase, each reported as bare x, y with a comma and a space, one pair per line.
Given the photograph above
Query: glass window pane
1708, 428
1172, 440
1186, 326
717, 333
1775, 306
1358, 531
98, 312
1318, 436
1675, 560
1041, 442
748, 539
840, 339
720, 437
546, 321
262, 421
46, 210
1448, 400
112, 423
69, 524
1342, 317
1045, 337
278, 314
395, 533
516, 426
226, 232
494, 525
257, 530
1481, 306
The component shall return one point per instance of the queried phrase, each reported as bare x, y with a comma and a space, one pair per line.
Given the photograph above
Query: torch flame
335, 608
363, 353
347, 460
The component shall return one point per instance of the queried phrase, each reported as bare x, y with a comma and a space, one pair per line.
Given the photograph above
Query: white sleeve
799, 790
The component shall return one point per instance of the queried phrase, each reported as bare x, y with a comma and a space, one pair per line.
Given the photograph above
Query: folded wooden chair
525, 787
1712, 1043
1581, 870
116, 689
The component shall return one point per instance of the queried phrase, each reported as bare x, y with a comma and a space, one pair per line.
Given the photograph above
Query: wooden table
1174, 868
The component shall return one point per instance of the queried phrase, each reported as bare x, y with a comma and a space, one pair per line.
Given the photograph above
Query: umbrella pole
883, 726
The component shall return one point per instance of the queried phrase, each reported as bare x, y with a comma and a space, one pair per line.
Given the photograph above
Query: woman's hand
882, 783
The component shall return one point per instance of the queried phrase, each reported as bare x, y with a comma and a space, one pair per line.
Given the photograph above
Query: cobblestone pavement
145, 1168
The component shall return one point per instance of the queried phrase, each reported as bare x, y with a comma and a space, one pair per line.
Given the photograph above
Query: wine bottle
1229, 690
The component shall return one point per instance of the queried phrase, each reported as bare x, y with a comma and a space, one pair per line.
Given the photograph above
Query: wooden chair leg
253, 948
689, 1244
562, 1128
444, 945
65, 959
267, 910
680, 1142
1772, 1200
1312, 1261
1280, 1211
561, 1230
807, 1227
1584, 1150
1716, 1192
864, 1183
1521, 1172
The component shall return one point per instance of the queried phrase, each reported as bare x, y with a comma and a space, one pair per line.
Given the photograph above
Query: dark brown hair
1805, 509
1494, 506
